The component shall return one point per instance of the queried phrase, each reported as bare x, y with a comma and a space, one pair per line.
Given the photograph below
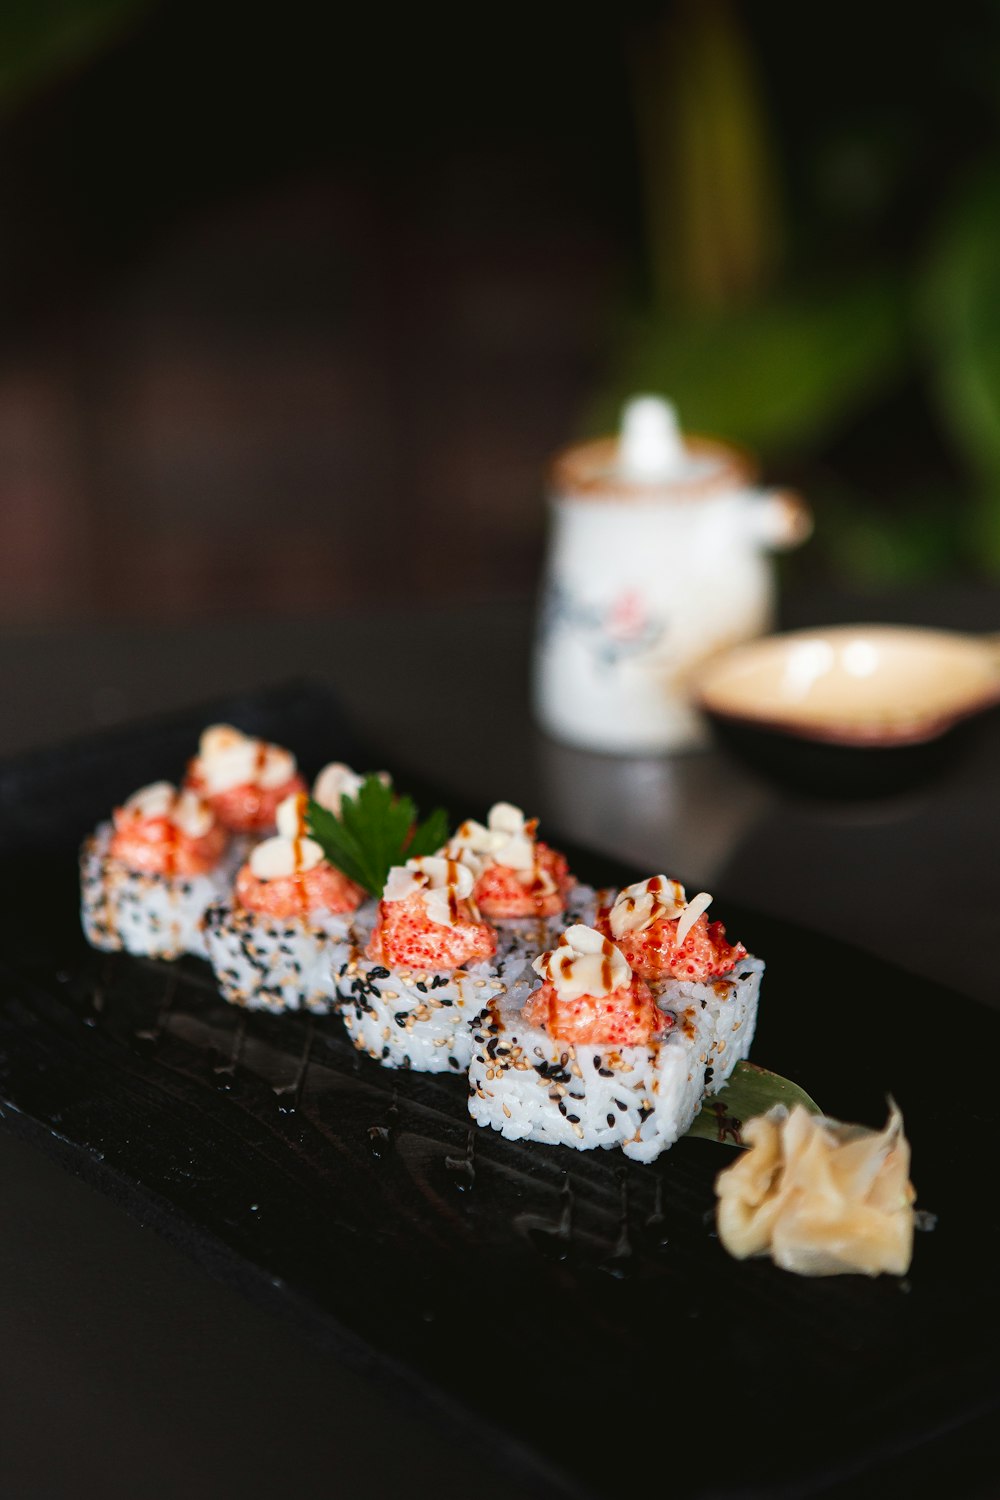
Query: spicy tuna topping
243, 779
426, 919
288, 876
161, 831
665, 936
589, 995
516, 874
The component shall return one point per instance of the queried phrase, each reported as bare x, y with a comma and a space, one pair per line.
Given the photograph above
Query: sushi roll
522, 886
274, 944
148, 876
596, 1055
427, 969
243, 779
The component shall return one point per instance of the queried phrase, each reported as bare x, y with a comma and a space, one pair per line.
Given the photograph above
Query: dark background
295, 303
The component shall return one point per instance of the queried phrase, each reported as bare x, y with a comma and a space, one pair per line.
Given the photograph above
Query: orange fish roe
625, 1017
320, 889
654, 953
504, 892
156, 846
405, 937
247, 808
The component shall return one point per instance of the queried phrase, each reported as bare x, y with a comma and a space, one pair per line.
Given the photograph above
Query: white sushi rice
276, 964
406, 1018
156, 915
529, 1086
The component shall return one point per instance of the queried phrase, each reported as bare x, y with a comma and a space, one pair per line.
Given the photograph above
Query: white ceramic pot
658, 557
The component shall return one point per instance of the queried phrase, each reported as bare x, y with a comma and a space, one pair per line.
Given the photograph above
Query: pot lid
650, 459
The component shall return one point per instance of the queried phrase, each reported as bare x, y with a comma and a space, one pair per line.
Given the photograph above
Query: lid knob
651, 445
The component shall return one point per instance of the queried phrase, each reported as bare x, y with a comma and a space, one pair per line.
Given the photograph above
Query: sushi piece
595, 1055
290, 921
148, 876
522, 886
710, 985
243, 779
427, 969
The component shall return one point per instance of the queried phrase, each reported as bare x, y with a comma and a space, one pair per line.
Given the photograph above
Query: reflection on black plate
572, 1304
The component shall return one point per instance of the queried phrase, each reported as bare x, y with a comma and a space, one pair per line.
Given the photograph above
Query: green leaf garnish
373, 833
750, 1091
429, 835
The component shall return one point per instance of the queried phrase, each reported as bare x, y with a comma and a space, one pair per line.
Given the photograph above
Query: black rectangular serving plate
572, 1310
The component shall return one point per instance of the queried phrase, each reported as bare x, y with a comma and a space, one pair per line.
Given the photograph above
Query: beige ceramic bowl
848, 688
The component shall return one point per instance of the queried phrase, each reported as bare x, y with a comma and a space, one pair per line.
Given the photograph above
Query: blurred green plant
776, 374
40, 40
759, 335
959, 310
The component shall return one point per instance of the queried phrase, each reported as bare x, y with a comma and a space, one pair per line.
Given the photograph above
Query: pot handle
779, 519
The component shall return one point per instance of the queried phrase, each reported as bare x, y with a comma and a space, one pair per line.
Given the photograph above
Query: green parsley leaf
430, 834
376, 830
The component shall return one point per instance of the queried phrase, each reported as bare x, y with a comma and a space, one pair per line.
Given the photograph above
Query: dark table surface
155, 1380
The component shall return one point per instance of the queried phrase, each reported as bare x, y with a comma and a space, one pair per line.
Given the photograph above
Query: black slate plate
573, 1308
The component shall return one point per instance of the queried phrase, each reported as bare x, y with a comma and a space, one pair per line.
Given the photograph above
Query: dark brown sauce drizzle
173, 834
451, 879
654, 1225
260, 761
553, 1241
463, 1168
98, 995
298, 874
289, 1095
621, 1262
225, 1070
536, 885
380, 1136
150, 1036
